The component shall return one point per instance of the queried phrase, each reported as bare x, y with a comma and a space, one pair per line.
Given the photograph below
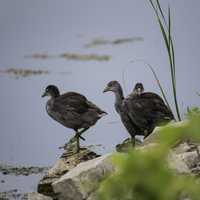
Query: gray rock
77, 176
83, 180
191, 158
10, 195
177, 163
63, 165
37, 196
93, 196
153, 137
127, 144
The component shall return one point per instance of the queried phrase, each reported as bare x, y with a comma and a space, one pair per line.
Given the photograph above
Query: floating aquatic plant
85, 57
71, 56
101, 41
17, 73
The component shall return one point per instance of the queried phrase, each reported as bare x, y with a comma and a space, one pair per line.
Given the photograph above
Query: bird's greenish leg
78, 136
133, 141
77, 142
82, 131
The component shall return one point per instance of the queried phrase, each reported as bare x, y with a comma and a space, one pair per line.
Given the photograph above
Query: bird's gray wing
148, 110
137, 111
72, 101
159, 108
95, 108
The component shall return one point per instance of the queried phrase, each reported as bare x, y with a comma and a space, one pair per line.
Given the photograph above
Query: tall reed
166, 30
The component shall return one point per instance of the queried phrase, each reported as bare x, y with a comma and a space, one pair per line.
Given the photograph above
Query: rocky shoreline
77, 176
81, 182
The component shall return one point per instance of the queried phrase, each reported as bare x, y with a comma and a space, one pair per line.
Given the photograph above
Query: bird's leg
82, 138
78, 136
145, 133
77, 142
133, 141
82, 131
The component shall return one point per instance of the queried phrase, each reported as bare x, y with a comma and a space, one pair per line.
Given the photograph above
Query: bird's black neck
119, 97
55, 94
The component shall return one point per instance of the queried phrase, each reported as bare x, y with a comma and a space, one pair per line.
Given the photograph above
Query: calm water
28, 135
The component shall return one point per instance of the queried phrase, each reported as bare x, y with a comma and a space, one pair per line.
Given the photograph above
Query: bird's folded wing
158, 105
147, 108
95, 107
72, 101
137, 111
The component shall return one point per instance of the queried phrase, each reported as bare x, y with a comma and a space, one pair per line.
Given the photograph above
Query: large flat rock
77, 177
36, 196
83, 180
63, 165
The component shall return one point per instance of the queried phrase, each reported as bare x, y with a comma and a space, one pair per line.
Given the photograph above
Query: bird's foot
133, 141
77, 149
125, 146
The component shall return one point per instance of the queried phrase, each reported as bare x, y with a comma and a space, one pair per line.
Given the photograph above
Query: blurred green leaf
145, 175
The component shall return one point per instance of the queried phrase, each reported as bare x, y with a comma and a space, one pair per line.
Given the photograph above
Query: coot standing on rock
72, 110
141, 111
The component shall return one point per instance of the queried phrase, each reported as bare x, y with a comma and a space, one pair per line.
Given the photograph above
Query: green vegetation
71, 56
166, 29
17, 73
101, 41
194, 111
85, 57
145, 175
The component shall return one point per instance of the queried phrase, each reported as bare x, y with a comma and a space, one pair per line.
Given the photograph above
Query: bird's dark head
52, 91
138, 89
112, 86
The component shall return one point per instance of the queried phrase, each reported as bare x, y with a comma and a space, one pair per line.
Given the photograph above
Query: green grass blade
166, 33
171, 48
173, 58
172, 64
160, 24
153, 5
169, 29
161, 12
167, 43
